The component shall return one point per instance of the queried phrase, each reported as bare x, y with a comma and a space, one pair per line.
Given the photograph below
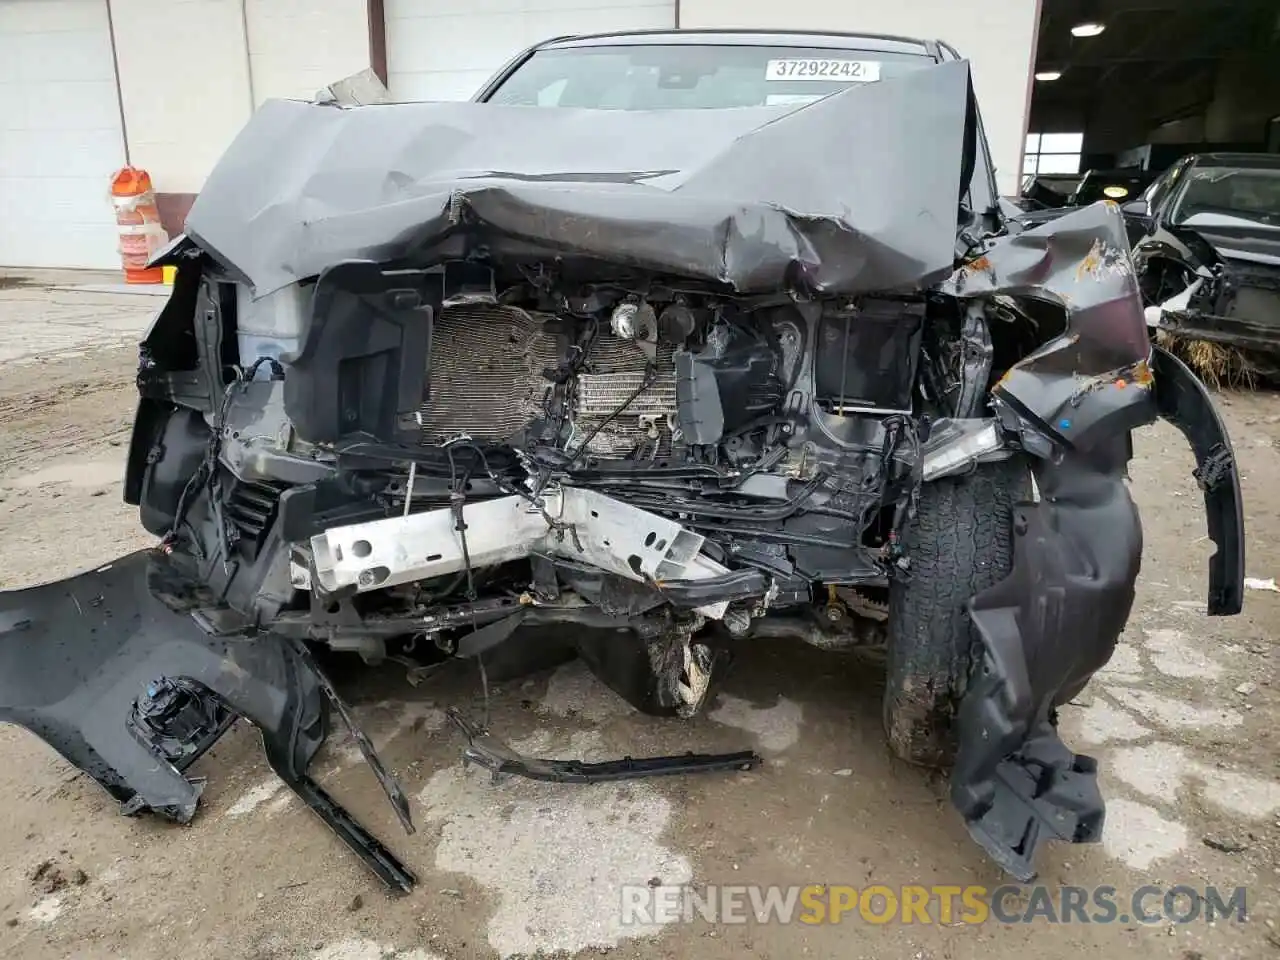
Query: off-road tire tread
959, 542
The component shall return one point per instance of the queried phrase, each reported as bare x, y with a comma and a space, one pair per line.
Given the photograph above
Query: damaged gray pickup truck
672, 342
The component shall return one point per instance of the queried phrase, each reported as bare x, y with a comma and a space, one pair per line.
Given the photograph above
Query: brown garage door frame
376, 15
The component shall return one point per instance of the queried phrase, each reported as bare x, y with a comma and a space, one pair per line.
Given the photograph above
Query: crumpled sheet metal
1082, 262
857, 191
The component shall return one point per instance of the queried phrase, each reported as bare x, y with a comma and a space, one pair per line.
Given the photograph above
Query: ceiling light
1047, 75
1089, 28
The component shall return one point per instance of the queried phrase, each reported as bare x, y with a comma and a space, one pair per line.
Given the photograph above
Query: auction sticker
841, 71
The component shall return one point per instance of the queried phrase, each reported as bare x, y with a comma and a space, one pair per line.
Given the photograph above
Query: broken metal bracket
604, 532
390, 785
484, 750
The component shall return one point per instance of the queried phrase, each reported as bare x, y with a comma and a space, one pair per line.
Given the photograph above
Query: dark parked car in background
1206, 250
1047, 191
1117, 185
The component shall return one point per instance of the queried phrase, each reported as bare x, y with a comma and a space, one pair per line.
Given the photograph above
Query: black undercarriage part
1052, 623
486, 751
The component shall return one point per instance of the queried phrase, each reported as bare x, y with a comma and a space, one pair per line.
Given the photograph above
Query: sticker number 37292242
846, 71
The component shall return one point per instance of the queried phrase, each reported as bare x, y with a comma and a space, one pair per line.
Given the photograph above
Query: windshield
683, 76
1229, 196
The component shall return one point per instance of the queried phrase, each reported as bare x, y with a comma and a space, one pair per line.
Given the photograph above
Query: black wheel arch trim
1044, 630
1183, 400
1056, 619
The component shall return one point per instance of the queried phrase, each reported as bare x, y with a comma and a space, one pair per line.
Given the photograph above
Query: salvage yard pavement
1183, 721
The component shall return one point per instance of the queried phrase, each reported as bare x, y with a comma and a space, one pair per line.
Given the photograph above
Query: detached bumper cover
83, 659
1055, 621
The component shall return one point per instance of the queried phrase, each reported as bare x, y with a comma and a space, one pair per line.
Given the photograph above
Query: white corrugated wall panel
60, 137
446, 49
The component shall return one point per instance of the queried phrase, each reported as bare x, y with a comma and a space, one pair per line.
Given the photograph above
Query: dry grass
1217, 365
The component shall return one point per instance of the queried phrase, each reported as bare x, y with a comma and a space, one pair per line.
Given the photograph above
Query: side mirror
1136, 208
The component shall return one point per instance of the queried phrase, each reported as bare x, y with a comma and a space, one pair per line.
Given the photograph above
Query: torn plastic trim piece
76, 655
173, 252
1243, 333
1045, 793
1184, 401
484, 750
1175, 304
390, 785
1091, 383
1044, 631
382, 862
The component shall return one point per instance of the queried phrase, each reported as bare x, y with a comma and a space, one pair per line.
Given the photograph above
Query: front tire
959, 543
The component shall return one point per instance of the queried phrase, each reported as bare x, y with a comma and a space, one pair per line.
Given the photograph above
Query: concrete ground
1183, 722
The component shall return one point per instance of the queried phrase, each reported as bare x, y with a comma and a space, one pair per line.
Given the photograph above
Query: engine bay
453, 447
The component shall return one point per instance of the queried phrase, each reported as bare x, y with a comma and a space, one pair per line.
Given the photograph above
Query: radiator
486, 379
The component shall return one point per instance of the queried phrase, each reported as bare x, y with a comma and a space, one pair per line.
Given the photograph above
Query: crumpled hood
857, 191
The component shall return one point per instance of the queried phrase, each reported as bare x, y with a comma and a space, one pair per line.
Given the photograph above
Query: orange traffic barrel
138, 224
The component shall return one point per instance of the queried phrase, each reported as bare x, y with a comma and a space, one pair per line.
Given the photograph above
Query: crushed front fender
1056, 619
119, 683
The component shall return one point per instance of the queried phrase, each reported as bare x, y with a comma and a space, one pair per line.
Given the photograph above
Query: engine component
632, 320
625, 320
485, 372
676, 323
488, 378
618, 369
725, 386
